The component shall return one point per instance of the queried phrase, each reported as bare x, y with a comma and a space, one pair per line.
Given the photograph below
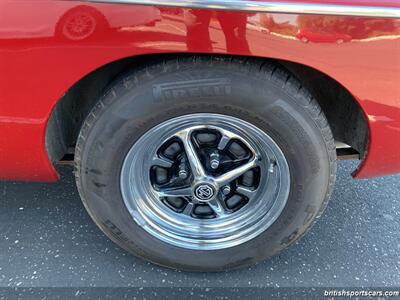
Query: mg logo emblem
204, 192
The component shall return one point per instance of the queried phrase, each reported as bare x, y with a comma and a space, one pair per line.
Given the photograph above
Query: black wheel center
217, 154
204, 192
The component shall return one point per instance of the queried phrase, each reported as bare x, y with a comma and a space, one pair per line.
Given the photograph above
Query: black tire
261, 93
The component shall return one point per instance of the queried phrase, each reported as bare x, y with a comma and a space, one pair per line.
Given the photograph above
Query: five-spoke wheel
208, 181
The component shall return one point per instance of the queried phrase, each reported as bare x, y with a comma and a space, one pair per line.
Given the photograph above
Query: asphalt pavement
48, 240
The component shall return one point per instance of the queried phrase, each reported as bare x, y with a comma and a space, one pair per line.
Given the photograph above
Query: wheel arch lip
355, 173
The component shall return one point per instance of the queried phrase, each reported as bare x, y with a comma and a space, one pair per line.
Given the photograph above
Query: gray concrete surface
47, 240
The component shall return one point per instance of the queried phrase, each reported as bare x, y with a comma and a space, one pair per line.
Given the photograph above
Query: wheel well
345, 116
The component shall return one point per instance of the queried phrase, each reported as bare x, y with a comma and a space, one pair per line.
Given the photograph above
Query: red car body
47, 46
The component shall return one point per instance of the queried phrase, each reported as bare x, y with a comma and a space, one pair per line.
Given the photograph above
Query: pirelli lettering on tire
192, 89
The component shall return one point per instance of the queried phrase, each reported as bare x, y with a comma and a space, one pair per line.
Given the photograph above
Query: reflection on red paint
320, 37
233, 26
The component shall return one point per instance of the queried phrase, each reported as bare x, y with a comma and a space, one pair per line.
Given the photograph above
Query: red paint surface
46, 46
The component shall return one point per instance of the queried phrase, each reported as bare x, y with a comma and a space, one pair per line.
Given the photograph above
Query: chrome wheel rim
205, 181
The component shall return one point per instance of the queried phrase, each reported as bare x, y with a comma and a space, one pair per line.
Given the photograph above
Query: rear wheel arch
345, 115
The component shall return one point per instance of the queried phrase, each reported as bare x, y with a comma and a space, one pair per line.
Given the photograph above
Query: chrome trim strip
271, 7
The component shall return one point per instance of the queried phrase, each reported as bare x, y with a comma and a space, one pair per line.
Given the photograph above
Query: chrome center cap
204, 192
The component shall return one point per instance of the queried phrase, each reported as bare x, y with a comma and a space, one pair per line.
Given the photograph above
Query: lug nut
214, 162
183, 174
183, 171
226, 190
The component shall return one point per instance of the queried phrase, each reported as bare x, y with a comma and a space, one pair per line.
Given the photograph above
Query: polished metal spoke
245, 191
178, 192
194, 161
216, 205
237, 172
226, 136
